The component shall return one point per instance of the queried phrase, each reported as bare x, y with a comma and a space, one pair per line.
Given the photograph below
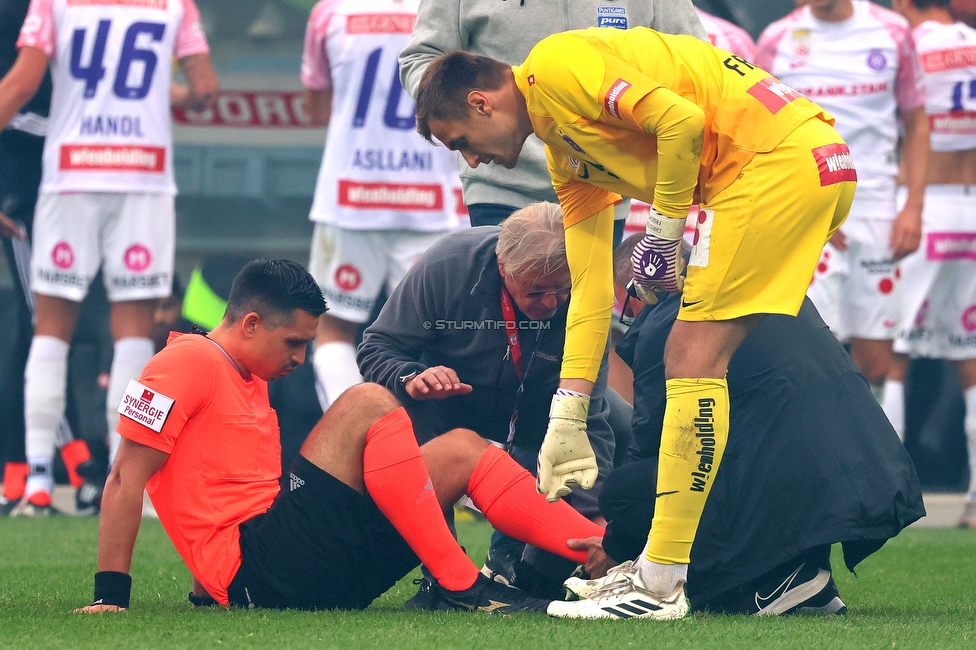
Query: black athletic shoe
824, 603
503, 561
88, 497
809, 586
488, 596
424, 598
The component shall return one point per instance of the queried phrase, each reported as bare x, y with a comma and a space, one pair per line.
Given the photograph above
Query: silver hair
533, 239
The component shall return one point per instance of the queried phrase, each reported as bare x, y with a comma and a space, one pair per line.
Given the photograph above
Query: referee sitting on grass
364, 503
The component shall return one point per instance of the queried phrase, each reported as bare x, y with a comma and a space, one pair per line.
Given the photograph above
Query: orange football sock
506, 495
14, 480
74, 454
398, 482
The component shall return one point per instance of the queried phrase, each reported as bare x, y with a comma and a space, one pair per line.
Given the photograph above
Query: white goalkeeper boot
622, 594
585, 588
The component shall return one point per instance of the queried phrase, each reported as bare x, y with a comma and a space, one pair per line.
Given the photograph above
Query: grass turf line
914, 593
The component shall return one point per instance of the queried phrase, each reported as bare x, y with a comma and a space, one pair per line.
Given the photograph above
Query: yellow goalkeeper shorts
758, 241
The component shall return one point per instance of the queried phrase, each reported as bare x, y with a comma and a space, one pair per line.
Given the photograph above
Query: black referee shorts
321, 545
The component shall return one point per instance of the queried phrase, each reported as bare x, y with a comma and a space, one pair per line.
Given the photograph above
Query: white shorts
352, 266
131, 236
857, 291
939, 284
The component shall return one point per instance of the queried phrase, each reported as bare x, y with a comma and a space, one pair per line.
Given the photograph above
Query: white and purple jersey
111, 65
948, 57
728, 36
377, 173
863, 70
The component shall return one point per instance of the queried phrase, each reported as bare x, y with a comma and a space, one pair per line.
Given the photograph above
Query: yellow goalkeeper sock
696, 428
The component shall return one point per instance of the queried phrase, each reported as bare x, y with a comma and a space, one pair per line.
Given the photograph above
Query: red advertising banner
280, 109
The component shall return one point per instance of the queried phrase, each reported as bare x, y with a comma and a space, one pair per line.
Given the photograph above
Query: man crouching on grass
364, 504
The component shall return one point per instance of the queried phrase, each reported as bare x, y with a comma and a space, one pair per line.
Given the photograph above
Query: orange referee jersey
224, 449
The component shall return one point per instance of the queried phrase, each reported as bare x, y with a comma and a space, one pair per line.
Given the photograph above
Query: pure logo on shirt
611, 17
145, 406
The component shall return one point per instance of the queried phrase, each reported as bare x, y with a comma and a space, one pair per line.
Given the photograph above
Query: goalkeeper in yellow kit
670, 120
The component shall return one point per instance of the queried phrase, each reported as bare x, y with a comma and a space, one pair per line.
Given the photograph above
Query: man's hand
566, 458
597, 561
98, 609
657, 258
838, 240
906, 232
436, 382
10, 228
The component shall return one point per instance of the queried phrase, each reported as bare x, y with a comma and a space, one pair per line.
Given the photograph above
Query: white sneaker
624, 596
585, 588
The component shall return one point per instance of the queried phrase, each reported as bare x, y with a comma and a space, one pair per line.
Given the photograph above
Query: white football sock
40, 475
970, 426
893, 404
660, 579
128, 359
45, 384
335, 370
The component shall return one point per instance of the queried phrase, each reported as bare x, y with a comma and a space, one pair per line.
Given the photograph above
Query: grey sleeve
677, 17
392, 345
437, 31
597, 427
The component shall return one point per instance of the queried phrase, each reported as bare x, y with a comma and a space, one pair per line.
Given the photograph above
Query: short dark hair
274, 289
925, 4
444, 88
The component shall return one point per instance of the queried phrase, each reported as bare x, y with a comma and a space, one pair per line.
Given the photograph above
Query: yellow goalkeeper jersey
622, 112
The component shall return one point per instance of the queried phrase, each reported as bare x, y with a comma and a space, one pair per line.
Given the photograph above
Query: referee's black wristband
112, 588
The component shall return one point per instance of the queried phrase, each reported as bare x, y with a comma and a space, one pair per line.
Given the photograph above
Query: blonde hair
533, 239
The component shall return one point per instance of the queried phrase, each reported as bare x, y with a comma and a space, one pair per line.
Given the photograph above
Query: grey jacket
506, 30
447, 312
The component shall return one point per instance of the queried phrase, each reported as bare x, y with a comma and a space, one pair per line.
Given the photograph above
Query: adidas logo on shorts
295, 481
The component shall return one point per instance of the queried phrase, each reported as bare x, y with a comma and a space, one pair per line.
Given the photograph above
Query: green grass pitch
919, 591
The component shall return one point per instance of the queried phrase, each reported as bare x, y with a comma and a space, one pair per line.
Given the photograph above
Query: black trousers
20, 176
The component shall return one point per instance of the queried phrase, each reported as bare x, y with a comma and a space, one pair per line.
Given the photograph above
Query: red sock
40, 498
506, 495
14, 481
398, 482
74, 454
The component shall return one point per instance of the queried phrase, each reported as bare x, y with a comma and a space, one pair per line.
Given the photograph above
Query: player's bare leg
873, 359
334, 360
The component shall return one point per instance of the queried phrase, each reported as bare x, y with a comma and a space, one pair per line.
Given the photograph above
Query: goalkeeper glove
657, 258
566, 458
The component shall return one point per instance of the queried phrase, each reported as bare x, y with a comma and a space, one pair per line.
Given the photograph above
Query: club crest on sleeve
145, 406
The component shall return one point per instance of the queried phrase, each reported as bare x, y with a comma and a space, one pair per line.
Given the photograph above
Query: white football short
131, 236
352, 266
939, 285
857, 291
